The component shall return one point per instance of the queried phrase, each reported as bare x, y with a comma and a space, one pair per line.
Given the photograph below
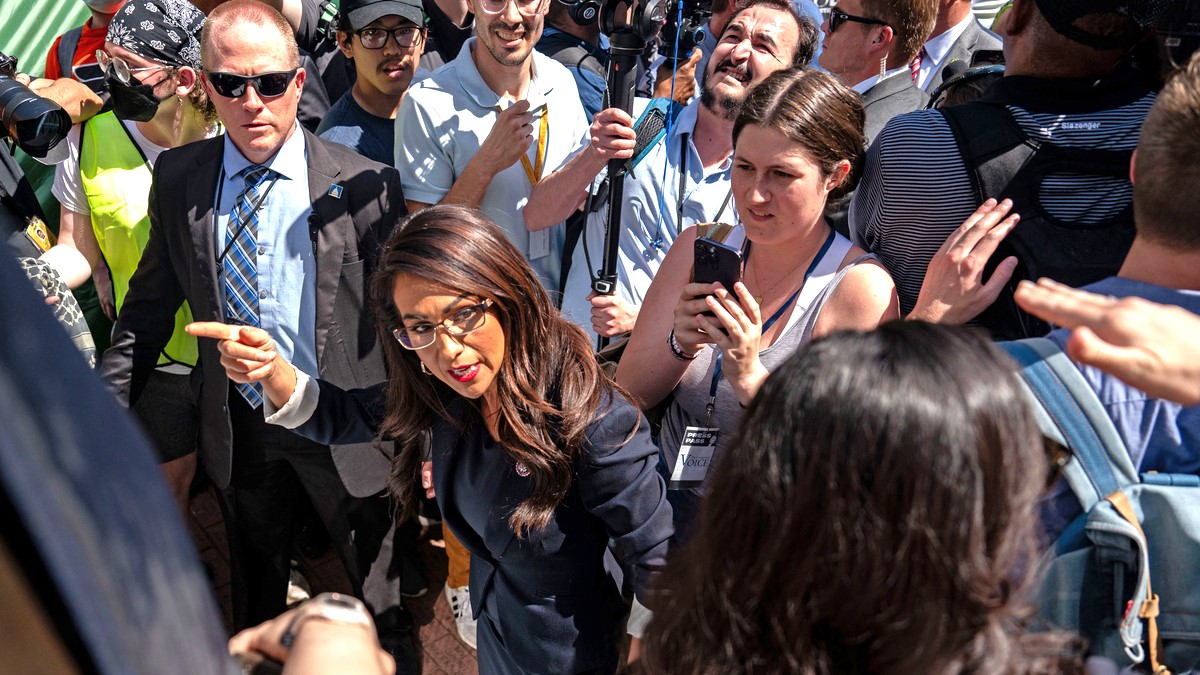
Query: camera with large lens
684, 30
36, 124
682, 22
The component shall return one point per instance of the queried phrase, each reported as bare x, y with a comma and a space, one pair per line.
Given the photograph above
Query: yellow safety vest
116, 181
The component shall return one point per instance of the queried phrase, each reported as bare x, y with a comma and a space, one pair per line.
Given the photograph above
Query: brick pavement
443, 654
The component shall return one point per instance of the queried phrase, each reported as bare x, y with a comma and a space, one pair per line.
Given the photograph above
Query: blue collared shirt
649, 214
287, 267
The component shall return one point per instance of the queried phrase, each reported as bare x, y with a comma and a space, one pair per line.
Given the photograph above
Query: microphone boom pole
625, 47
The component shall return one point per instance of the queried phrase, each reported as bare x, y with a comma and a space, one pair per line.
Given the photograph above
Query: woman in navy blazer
539, 460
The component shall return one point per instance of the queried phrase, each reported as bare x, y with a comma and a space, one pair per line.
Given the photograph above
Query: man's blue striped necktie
240, 266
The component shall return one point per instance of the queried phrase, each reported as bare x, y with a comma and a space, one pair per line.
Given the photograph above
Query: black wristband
677, 351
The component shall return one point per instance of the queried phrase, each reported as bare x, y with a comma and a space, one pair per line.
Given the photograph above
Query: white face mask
104, 6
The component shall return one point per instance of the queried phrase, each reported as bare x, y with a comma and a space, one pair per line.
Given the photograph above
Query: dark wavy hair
549, 385
815, 110
879, 519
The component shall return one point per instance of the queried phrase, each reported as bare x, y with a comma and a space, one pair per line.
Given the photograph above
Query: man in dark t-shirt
383, 39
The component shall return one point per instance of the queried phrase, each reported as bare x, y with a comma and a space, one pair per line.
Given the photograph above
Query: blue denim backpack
1135, 529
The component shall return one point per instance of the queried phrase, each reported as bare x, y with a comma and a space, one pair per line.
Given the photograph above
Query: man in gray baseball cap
384, 39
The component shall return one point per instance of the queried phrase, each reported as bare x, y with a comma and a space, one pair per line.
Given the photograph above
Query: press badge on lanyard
695, 454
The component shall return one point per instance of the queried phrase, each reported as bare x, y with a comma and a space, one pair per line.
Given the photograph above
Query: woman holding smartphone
798, 142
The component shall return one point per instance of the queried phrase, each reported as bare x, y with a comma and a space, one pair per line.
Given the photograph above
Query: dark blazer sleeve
619, 483
147, 317
345, 416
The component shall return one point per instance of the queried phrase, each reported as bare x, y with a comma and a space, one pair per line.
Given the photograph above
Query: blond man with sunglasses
272, 227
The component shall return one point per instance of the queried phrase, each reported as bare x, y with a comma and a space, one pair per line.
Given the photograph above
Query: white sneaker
298, 589
460, 603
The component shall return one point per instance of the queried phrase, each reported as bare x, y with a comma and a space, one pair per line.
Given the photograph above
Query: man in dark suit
870, 45
272, 227
956, 36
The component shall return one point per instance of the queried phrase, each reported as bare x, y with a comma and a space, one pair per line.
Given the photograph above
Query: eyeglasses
525, 7
456, 325
120, 67
376, 38
268, 85
838, 17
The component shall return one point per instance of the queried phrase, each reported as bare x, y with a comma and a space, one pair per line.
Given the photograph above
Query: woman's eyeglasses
268, 85
525, 7
460, 323
119, 67
838, 17
376, 38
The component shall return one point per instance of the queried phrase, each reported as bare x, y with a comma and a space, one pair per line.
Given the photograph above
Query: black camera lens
35, 123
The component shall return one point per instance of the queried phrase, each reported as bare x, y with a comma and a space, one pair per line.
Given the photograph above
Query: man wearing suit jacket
956, 36
272, 227
870, 44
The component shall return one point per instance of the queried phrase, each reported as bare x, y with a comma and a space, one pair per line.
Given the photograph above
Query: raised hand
611, 315
954, 291
509, 139
612, 135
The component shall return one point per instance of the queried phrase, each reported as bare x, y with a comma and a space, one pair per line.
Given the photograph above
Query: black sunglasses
838, 17
268, 85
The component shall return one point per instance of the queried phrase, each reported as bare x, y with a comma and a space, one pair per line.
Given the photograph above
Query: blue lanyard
812, 266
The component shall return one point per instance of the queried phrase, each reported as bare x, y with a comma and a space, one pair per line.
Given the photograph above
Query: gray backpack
1096, 577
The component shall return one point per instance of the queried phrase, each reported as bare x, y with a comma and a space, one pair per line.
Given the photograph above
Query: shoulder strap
1070, 413
574, 55
993, 147
717, 232
652, 125
66, 51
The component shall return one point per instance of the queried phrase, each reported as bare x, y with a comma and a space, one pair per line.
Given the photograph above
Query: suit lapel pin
335, 191
522, 470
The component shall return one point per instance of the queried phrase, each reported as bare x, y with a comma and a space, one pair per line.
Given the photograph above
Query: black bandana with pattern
166, 31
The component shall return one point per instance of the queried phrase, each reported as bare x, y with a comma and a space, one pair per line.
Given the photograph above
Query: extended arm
77, 253
648, 369
292, 10
1150, 346
317, 410
76, 98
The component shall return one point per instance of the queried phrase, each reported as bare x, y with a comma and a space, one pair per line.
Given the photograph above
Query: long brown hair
549, 385
879, 519
814, 109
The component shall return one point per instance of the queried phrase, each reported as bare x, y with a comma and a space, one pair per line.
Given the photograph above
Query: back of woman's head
548, 385
815, 110
878, 516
